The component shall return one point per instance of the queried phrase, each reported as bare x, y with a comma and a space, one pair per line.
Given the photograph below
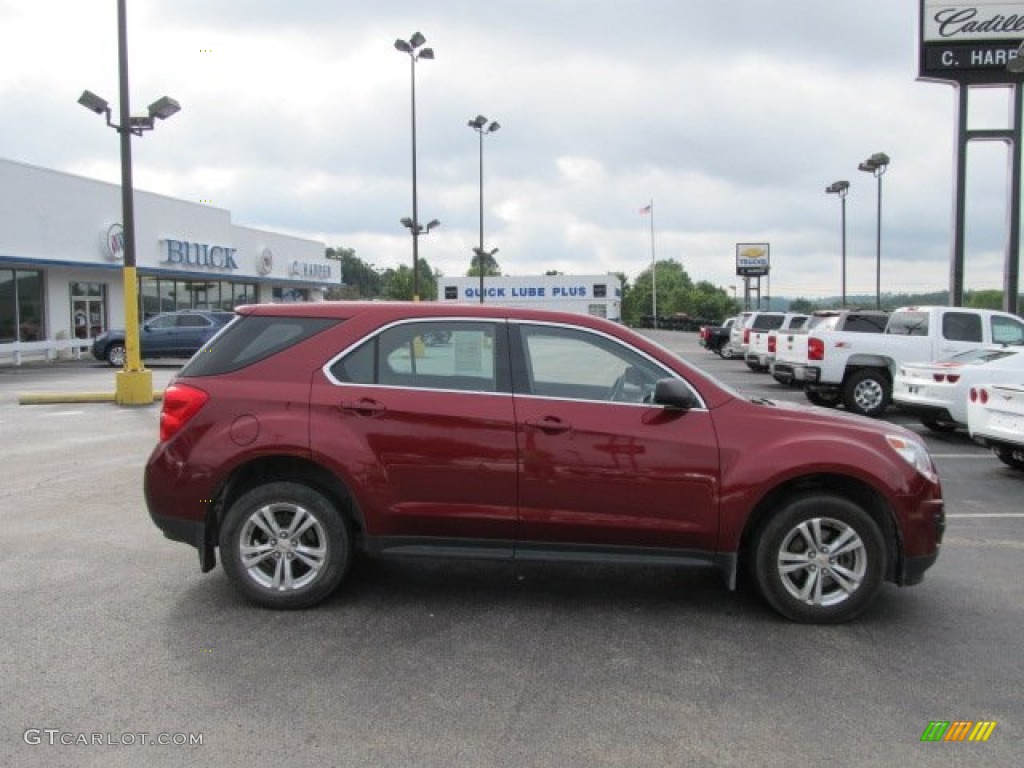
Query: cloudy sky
732, 116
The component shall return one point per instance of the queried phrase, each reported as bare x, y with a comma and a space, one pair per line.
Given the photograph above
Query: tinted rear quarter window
252, 338
767, 322
865, 323
958, 326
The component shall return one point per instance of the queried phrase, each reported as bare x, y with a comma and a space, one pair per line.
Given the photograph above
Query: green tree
398, 283
988, 299
802, 305
491, 266
360, 280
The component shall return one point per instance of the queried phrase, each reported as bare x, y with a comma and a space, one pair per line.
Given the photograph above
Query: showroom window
158, 295
21, 305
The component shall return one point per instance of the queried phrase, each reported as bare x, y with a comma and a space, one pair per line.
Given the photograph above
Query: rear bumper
788, 372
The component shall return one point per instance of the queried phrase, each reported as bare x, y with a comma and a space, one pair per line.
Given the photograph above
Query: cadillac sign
970, 42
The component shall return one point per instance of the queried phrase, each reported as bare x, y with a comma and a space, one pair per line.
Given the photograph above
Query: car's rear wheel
285, 545
867, 392
820, 559
116, 355
725, 351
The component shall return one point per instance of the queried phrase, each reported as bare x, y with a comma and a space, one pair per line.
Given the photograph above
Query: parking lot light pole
480, 125
134, 384
841, 188
877, 165
413, 47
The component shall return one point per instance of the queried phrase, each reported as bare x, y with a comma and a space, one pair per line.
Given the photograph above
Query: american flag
645, 209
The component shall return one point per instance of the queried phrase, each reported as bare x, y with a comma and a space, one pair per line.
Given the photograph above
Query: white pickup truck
790, 363
761, 347
857, 369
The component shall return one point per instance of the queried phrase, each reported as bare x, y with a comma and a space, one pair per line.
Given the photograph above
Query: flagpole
654, 272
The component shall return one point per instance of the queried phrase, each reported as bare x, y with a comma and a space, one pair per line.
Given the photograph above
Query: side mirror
673, 393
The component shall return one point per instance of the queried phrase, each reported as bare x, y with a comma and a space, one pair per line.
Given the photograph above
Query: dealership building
61, 258
598, 295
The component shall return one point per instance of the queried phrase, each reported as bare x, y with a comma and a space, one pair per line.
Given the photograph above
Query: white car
995, 418
937, 392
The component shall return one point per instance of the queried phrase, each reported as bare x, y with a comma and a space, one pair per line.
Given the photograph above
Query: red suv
306, 431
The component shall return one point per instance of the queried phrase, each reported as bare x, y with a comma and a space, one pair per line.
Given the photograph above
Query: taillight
746, 335
771, 343
815, 349
952, 378
983, 396
181, 402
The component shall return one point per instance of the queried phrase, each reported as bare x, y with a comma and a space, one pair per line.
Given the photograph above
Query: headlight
914, 453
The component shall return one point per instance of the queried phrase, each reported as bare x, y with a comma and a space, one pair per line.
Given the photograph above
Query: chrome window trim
326, 368
670, 374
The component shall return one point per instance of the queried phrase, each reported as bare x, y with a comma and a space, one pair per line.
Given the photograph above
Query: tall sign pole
978, 44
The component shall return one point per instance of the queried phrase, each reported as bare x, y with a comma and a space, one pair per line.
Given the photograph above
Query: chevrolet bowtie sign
970, 42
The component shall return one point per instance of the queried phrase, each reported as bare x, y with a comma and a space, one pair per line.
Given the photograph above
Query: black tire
935, 424
314, 561
725, 351
796, 574
824, 399
867, 392
1010, 458
116, 355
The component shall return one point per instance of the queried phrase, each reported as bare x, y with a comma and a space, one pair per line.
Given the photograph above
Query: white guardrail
17, 352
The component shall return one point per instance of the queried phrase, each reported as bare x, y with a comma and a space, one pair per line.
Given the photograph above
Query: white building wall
561, 293
59, 223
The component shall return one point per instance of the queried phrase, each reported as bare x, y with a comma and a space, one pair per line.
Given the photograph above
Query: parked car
995, 418
937, 392
791, 354
714, 337
739, 337
761, 348
307, 431
172, 334
857, 369
732, 347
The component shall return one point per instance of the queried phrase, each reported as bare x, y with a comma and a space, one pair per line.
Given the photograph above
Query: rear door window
252, 338
468, 356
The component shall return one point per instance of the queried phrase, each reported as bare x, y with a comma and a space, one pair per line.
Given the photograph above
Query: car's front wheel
285, 545
819, 559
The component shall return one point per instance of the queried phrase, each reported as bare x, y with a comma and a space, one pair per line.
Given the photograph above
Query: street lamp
413, 47
877, 165
417, 230
841, 188
134, 384
479, 124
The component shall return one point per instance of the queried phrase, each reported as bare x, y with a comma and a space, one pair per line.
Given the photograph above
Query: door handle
365, 406
549, 424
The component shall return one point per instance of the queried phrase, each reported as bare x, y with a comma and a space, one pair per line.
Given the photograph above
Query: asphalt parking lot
112, 637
